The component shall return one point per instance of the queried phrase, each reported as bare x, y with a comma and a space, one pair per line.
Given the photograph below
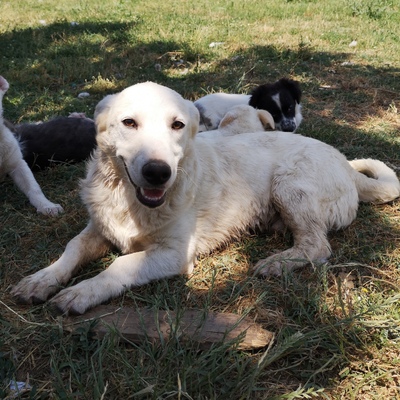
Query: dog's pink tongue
153, 193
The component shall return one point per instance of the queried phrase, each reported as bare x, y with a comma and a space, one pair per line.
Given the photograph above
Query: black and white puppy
281, 99
59, 140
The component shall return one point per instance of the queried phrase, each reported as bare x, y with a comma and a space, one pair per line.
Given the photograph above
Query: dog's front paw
74, 300
50, 209
35, 288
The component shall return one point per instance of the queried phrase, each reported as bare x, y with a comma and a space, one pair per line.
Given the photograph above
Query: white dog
12, 163
163, 195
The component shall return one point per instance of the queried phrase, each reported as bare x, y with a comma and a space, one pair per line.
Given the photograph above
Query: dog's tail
375, 181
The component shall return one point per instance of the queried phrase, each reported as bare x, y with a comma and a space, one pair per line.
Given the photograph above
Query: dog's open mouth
150, 197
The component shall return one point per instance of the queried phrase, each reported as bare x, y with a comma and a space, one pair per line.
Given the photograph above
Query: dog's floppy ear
293, 87
194, 117
257, 95
228, 118
266, 118
101, 112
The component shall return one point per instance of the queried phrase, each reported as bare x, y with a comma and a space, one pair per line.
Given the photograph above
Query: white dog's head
147, 127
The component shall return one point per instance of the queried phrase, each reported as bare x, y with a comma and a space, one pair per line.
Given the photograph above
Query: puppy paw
35, 288
50, 209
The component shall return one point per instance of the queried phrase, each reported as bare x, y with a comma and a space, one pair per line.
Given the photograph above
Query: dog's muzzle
156, 173
286, 125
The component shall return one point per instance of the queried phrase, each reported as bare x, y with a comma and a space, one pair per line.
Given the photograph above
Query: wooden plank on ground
137, 325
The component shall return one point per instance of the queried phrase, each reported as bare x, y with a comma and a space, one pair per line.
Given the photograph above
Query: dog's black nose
156, 172
287, 125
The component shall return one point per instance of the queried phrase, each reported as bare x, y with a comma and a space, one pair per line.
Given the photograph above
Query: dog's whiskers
190, 178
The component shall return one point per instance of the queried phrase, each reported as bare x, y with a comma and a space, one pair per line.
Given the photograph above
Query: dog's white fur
13, 164
219, 186
214, 106
240, 119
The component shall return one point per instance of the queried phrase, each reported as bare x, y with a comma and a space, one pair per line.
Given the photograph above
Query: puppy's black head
280, 99
289, 86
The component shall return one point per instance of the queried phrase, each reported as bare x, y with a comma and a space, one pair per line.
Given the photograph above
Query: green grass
336, 326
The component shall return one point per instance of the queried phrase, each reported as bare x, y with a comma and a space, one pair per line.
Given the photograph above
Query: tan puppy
163, 195
241, 119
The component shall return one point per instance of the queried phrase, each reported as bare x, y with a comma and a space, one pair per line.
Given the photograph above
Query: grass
336, 326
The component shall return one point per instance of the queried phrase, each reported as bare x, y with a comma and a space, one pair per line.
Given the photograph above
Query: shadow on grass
47, 67
53, 64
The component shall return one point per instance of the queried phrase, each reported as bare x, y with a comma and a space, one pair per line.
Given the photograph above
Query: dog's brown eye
130, 123
176, 125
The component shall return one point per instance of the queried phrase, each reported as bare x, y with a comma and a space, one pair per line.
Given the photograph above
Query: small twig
386, 90
104, 392
21, 317
97, 317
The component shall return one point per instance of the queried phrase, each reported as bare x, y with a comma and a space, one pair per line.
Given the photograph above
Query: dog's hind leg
85, 247
301, 214
310, 248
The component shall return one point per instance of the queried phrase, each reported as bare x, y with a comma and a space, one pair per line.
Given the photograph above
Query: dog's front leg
26, 182
85, 247
125, 272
